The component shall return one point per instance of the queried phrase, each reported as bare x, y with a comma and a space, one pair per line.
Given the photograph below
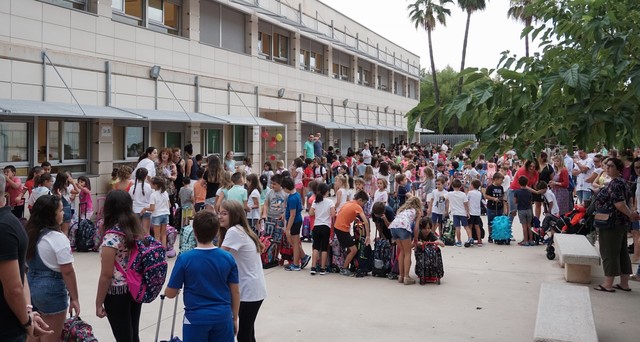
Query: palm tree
426, 14
469, 6
517, 12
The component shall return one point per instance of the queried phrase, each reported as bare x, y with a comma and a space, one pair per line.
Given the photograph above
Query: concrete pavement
488, 293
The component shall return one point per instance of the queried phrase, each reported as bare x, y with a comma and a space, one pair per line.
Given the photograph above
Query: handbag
604, 219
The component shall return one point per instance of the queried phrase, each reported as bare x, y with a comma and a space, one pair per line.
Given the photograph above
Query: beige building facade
88, 84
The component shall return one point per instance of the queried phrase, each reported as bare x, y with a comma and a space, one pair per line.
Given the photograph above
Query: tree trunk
436, 90
464, 51
526, 45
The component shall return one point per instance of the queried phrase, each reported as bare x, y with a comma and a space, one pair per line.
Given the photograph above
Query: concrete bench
577, 256
564, 314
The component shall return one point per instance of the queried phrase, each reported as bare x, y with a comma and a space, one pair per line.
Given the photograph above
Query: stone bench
564, 314
577, 256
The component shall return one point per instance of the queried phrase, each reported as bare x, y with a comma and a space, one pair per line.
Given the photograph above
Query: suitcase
173, 322
429, 267
381, 258
305, 234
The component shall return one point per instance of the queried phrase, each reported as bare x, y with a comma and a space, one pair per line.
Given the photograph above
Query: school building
88, 84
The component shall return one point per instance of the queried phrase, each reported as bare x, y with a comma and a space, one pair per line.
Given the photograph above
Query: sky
490, 32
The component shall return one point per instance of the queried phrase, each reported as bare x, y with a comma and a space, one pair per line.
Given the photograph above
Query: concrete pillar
392, 80
354, 69
254, 149
191, 19
251, 41
406, 86
295, 46
102, 153
374, 73
355, 142
376, 138
328, 61
194, 137
329, 138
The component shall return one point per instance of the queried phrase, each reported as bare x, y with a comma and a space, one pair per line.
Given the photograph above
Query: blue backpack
187, 239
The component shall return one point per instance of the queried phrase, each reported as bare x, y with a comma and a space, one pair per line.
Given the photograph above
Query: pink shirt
15, 192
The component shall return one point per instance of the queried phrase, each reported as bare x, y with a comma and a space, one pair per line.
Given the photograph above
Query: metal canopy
248, 121
175, 116
67, 110
329, 124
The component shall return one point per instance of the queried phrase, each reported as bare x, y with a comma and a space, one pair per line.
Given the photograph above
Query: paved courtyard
488, 293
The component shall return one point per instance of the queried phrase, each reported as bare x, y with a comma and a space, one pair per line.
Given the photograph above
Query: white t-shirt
161, 202
457, 199
550, 197
505, 183
140, 200
581, 183
54, 250
255, 212
323, 212
404, 219
475, 198
439, 201
252, 284
344, 197
147, 164
380, 196
298, 178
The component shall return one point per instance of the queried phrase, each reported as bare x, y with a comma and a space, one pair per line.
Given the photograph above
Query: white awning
247, 121
67, 110
329, 124
175, 116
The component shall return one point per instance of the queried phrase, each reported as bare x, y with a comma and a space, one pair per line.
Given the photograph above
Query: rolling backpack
270, 255
146, 270
363, 259
381, 258
187, 239
305, 234
172, 234
77, 330
448, 232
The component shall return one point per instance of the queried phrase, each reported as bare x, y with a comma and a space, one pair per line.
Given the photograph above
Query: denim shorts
159, 220
437, 218
67, 214
635, 225
49, 294
400, 234
459, 220
145, 216
210, 201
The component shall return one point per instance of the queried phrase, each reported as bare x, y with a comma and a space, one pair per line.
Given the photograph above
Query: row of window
161, 15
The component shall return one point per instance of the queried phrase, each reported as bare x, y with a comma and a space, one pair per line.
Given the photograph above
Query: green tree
583, 89
469, 6
426, 14
519, 12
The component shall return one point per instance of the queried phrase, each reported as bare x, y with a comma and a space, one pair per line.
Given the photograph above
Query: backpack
77, 330
85, 236
146, 270
187, 239
270, 255
306, 229
172, 234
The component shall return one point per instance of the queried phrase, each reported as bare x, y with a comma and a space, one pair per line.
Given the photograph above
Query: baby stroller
573, 222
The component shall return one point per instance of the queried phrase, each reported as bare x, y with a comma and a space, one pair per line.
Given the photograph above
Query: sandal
619, 287
603, 289
400, 280
635, 277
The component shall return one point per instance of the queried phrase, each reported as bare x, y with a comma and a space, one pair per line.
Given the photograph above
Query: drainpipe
228, 98
108, 83
257, 101
44, 76
197, 94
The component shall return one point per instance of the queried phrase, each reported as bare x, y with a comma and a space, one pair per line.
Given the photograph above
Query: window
173, 139
64, 143
264, 44
134, 141
222, 26
131, 8
14, 142
344, 73
75, 4
304, 60
164, 15
212, 143
315, 61
239, 142
281, 48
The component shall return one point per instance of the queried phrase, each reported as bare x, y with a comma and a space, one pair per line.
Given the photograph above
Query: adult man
568, 161
445, 146
16, 316
366, 154
317, 146
308, 147
584, 167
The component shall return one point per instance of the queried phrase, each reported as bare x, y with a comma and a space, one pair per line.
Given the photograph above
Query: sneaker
293, 267
345, 272
323, 271
458, 244
312, 271
532, 243
490, 240
305, 261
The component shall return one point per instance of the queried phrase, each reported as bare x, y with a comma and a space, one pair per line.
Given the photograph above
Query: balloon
273, 157
278, 137
265, 135
273, 144
273, 139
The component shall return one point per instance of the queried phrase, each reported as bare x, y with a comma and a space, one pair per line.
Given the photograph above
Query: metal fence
438, 139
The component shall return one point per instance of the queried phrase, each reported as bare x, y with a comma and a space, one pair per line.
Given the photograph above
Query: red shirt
308, 176
533, 179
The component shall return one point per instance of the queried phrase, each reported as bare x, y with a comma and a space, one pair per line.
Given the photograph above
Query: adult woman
113, 299
560, 185
613, 241
546, 172
211, 180
148, 161
166, 169
190, 165
245, 248
177, 159
51, 276
229, 163
529, 170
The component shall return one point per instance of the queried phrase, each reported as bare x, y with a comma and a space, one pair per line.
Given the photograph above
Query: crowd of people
403, 193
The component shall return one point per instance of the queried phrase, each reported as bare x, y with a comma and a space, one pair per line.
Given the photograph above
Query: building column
355, 143
194, 138
102, 154
296, 50
329, 139
374, 73
255, 151
191, 19
392, 80
252, 31
328, 61
354, 69
376, 138
406, 86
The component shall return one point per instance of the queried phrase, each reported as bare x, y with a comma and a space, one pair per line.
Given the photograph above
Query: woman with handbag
613, 218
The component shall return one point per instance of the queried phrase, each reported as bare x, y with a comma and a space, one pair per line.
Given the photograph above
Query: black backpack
85, 236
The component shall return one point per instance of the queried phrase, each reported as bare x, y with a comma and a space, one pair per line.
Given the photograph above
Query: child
222, 193
293, 216
401, 181
459, 204
426, 233
141, 195
84, 185
42, 186
297, 172
187, 199
253, 216
550, 202
268, 172
495, 201
370, 181
114, 178
274, 206
324, 210
159, 209
428, 183
475, 202
383, 215
344, 219
342, 191
61, 187
124, 181
237, 191
280, 167
14, 191
438, 205
361, 168
264, 181
507, 178
31, 178
307, 177
522, 199
381, 195
209, 276
408, 217
199, 191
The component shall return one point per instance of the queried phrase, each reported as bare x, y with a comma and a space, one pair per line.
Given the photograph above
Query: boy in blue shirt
293, 217
209, 276
522, 198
